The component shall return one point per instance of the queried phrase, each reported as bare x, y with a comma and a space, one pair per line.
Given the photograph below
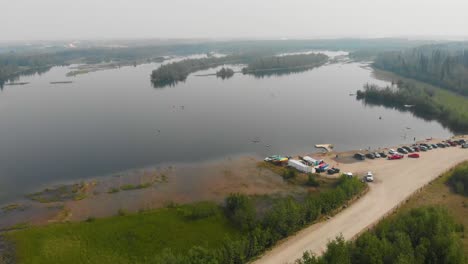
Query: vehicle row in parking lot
411, 151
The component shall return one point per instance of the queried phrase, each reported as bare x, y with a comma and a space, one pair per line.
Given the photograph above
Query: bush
199, 210
312, 180
459, 179
289, 173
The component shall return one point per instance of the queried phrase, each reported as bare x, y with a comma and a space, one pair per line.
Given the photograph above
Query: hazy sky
97, 19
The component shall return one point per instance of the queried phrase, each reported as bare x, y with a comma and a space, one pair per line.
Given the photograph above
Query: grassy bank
136, 238
197, 233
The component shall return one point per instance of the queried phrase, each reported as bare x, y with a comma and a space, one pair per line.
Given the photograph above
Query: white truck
298, 165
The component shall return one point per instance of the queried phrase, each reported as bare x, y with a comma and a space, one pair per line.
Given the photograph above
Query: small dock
326, 147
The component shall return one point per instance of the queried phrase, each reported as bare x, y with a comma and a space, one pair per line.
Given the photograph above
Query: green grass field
136, 238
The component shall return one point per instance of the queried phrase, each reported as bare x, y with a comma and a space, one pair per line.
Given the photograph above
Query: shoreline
154, 187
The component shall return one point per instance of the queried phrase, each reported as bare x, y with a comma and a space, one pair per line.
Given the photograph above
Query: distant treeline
423, 235
444, 65
287, 63
425, 102
258, 64
13, 65
262, 229
17, 60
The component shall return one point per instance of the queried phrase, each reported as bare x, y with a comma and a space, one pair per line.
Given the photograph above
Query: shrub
312, 180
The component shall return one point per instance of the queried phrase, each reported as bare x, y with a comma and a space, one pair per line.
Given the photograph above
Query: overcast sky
104, 19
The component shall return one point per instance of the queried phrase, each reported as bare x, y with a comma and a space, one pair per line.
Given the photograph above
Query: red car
413, 155
395, 157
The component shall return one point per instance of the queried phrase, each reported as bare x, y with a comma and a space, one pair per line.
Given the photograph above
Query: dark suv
359, 156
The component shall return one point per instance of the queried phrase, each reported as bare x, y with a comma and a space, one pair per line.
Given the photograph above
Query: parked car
416, 148
441, 145
349, 174
427, 146
395, 156
434, 146
461, 141
410, 150
319, 169
369, 177
383, 154
402, 151
413, 155
465, 145
370, 156
359, 156
376, 154
446, 144
423, 148
452, 143
333, 171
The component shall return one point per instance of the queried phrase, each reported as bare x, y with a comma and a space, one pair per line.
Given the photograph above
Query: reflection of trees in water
417, 101
279, 72
164, 84
27, 73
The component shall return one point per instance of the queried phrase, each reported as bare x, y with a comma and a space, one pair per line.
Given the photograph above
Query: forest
422, 235
424, 101
172, 73
443, 65
285, 64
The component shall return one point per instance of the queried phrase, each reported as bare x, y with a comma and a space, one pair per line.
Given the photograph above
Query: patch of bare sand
395, 181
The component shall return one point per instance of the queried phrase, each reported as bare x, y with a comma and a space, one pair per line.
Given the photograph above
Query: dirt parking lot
395, 181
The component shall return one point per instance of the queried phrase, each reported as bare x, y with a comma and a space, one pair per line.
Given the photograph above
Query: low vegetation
75, 192
459, 179
128, 187
423, 100
197, 233
131, 238
423, 235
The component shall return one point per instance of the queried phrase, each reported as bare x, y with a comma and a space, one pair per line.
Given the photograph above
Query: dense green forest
424, 101
285, 64
171, 73
445, 65
459, 179
234, 233
422, 235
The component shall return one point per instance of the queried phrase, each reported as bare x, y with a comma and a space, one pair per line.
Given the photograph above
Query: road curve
395, 181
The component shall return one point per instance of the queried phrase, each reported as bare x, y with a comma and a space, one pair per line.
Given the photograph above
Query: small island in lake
285, 64
225, 73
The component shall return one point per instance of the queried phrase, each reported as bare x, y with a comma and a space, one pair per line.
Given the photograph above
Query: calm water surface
115, 120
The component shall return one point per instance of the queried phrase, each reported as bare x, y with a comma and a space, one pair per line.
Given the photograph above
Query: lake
114, 120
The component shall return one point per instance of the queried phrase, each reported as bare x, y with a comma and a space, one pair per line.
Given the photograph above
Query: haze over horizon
29, 20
